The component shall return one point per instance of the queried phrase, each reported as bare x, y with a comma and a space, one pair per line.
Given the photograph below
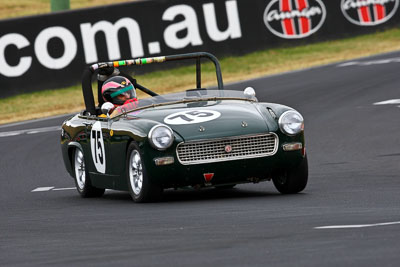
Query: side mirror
249, 92
106, 107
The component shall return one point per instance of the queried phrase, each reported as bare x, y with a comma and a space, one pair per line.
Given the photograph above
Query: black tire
294, 180
82, 178
140, 186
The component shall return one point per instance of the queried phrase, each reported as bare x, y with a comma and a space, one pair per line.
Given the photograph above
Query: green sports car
199, 138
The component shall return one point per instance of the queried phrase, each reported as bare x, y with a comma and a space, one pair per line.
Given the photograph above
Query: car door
99, 154
97, 145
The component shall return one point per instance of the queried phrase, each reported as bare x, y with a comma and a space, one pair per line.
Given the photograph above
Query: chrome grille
214, 150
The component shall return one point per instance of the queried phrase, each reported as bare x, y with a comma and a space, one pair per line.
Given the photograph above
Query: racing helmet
118, 90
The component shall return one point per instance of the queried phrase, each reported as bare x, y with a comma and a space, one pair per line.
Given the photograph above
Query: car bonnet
216, 119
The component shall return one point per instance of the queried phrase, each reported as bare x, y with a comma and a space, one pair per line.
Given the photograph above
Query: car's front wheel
140, 187
82, 179
294, 180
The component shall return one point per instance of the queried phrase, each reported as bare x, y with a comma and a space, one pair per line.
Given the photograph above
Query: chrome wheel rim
80, 174
136, 172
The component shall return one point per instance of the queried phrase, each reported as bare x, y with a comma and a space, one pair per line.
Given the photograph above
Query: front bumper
174, 175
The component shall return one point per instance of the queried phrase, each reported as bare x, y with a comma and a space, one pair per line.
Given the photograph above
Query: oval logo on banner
369, 12
97, 148
191, 116
294, 19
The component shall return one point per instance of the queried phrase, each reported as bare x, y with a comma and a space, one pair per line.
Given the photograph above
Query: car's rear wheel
82, 179
294, 180
140, 186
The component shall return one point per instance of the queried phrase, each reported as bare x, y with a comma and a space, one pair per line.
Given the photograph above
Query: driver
119, 91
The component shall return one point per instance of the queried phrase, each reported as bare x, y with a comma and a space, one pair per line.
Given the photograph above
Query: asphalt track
354, 190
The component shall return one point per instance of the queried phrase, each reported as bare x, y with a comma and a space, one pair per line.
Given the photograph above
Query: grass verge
267, 62
13, 8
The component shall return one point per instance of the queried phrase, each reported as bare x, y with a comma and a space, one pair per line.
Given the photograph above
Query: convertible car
197, 138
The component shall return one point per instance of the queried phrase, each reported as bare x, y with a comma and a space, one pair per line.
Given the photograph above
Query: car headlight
291, 122
161, 137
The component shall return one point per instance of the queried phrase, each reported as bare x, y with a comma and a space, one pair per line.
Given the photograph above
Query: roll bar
87, 74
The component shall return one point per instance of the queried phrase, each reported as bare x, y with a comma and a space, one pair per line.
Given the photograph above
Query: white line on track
373, 62
355, 225
36, 120
388, 102
43, 189
62, 189
51, 188
31, 131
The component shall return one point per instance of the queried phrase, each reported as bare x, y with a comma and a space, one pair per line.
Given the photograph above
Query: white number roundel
97, 147
191, 116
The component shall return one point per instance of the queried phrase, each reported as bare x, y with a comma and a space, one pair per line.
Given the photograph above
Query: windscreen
189, 96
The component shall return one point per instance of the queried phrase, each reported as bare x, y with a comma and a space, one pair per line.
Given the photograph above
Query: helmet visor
121, 95
127, 92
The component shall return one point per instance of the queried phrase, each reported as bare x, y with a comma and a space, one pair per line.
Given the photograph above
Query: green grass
18, 8
271, 61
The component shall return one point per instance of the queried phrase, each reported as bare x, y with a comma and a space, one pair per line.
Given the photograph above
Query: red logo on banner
292, 19
369, 12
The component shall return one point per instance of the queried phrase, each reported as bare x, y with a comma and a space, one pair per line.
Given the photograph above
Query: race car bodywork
200, 138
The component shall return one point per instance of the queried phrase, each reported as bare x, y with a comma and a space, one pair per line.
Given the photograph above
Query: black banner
51, 51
